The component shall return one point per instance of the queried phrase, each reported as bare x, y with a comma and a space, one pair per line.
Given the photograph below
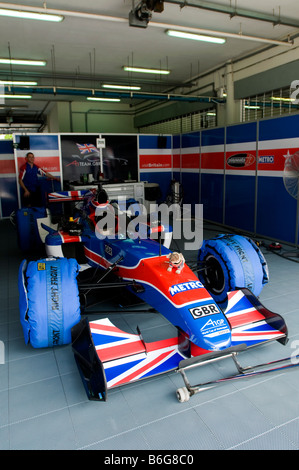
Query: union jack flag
248, 324
86, 148
126, 358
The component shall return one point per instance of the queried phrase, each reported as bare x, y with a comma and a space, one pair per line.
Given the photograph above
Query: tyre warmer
48, 301
242, 262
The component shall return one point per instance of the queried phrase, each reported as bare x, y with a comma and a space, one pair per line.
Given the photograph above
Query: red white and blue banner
8, 183
212, 173
276, 202
155, 160
240, 173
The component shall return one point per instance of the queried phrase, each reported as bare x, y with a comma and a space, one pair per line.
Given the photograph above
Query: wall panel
276, 208
240, 176
212, 174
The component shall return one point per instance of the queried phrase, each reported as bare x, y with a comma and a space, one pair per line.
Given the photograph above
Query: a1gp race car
215, 309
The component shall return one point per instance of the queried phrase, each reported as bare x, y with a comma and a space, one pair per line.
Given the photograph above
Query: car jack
185, 393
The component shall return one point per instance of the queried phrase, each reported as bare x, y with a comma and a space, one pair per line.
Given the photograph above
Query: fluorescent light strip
39, 63
122, 87
277, 98
94, 98
14, 82
28, 15
145, 70
194, 37
16, 97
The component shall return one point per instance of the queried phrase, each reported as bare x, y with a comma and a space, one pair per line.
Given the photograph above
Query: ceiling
95, 40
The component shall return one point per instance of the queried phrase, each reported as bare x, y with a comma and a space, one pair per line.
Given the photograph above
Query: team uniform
29, 176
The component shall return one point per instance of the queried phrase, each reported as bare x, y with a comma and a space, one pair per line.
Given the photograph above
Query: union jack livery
207, 329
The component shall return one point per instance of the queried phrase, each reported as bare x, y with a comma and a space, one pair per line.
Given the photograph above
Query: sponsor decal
240, 160
203, 310
54, 288
214, 327
266, 159
88, 163
55, 307
185, 286
108, 250
41, 266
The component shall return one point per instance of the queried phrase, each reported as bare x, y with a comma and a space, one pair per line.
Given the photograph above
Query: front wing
108, 357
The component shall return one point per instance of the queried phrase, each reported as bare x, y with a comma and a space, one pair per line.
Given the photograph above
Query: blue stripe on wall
191, 140
239, 201
190, 183
276, 210
154, 142
42, 142
286, 127
212, 196
240, 133
6, 146
213, 137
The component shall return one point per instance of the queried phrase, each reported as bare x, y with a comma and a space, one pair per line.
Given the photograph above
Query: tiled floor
43, 403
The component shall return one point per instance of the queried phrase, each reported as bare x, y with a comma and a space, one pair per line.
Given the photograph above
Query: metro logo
185, 286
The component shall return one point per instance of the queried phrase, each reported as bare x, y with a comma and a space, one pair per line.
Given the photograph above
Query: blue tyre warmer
241, 261
48, 301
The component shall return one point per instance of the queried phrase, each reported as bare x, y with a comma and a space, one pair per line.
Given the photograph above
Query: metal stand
184, 393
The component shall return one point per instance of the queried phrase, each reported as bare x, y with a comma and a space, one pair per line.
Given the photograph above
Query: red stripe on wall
7, 166
155, 161
177, 161
48, 164
190, 160
212, 161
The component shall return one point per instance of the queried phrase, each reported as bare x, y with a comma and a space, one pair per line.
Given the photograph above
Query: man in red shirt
28, 179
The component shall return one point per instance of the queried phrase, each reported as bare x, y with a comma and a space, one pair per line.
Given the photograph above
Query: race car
214, 308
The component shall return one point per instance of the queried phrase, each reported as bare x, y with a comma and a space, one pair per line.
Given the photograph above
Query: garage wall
241, 176
155, 160
236, 172
154, 154
276, 208
8, 183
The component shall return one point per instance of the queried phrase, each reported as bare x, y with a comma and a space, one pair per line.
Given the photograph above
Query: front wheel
231, 262
182, 394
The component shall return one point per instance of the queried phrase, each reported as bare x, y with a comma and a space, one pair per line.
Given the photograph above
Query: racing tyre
231, 262
182, 394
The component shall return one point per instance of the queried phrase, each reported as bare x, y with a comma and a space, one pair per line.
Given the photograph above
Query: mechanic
28, 179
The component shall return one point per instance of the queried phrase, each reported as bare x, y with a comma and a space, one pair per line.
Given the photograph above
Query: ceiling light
16, 97
39, 63
94, 98
278, 98
145, 70
251, 106
122, 87
195, 37
29, 15
15, 82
